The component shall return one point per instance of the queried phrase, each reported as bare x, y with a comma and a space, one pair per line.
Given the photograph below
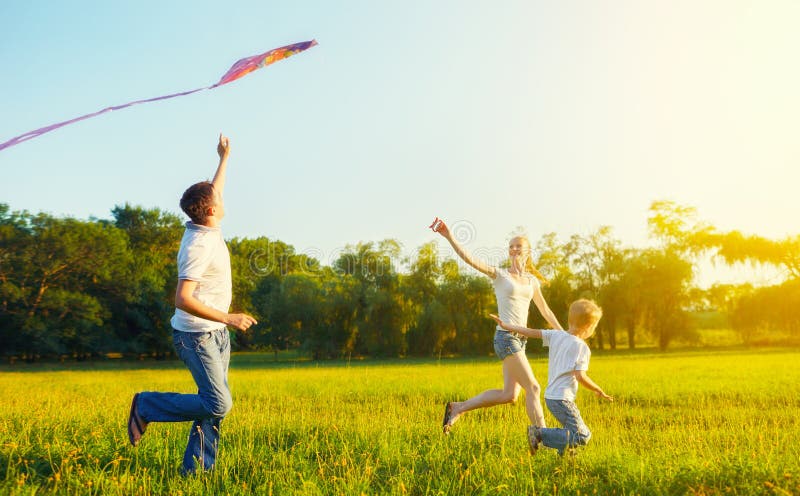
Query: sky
498, 117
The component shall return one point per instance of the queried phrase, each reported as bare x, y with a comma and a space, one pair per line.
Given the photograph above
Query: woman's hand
438, 226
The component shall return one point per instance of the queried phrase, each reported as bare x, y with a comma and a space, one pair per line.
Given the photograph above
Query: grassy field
683, 423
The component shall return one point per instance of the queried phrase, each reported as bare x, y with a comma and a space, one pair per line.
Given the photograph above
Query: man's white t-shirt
567, 354
204, 258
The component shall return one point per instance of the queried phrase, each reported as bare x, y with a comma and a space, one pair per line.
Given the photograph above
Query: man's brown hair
196, 201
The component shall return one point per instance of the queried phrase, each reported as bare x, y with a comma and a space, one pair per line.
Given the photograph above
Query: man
200, 335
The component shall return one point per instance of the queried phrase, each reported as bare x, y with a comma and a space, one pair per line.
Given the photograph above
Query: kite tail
241, 68
52, 127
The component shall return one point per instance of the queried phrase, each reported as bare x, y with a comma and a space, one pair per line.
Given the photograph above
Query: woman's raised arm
440, 227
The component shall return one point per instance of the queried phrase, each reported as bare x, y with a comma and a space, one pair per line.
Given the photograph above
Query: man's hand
224, 146
241, 321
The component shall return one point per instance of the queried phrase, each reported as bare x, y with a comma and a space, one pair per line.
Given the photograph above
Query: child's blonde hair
529, 267
584, 315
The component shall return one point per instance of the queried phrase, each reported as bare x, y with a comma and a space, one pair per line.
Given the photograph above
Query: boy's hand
497, 319
224, 146
602, 394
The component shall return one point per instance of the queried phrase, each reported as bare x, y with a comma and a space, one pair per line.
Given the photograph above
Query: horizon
708, 271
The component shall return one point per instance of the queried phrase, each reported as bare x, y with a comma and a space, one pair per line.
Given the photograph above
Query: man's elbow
180, 301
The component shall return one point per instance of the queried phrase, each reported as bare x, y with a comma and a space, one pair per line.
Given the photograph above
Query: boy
200, 335
568, 363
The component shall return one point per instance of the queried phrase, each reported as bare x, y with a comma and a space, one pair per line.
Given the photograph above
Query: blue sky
554, 116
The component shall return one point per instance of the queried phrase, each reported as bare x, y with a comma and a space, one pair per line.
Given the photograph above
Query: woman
514, 289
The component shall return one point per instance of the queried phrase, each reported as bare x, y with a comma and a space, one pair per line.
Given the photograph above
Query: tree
677, 227
258, 267
668, 271
598, 262
767, 309
619, 294
554, 262
734, 247
338, 333
469, 299
143, 302
379, 314
429, 322
664, 280
52, 270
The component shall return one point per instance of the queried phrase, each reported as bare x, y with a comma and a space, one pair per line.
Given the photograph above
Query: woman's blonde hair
529, 267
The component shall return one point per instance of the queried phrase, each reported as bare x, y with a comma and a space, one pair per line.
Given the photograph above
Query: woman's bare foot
452, 413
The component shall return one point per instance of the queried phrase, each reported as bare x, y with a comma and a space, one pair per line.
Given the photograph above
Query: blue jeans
207, 355
574, 433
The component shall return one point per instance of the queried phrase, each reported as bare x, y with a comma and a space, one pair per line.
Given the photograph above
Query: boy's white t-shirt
204, 258
567, 354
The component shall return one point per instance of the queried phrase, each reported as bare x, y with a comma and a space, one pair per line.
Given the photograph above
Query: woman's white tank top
513, 297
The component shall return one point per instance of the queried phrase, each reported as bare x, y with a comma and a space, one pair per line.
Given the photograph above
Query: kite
239, 69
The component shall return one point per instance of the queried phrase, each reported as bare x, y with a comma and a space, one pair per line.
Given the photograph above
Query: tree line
84, 288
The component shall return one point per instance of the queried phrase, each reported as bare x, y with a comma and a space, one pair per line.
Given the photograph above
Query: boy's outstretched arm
531, 333
586, 381
223, 150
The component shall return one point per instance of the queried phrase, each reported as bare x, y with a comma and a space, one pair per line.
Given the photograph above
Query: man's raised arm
223, 150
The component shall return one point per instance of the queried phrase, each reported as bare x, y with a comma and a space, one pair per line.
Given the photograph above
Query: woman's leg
524, 376
515, 377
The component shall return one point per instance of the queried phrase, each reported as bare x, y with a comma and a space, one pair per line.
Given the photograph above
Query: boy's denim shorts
507, 343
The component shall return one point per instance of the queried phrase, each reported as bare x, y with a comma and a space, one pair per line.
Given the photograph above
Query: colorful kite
239, 69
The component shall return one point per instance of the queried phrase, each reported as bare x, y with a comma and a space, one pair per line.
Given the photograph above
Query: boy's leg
574, 431
201, 450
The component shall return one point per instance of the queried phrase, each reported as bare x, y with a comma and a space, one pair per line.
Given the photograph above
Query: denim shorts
507, 343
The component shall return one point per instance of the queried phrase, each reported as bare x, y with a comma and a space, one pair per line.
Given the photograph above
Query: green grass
683, 423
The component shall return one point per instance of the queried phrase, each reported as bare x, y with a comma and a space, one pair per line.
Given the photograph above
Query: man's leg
201, 450
212, 383
193, 349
